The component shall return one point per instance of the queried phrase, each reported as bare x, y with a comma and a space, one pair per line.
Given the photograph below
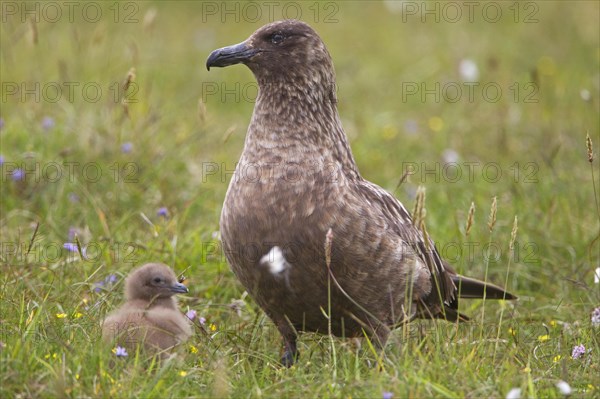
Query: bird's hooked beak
179, 288
231, 55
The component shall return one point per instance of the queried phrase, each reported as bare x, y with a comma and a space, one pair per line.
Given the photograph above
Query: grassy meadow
117, 142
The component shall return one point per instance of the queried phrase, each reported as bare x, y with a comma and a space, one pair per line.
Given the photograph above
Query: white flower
564, 387
468, 70
394, 6
597, 276
514, 393
585, 95
450, 156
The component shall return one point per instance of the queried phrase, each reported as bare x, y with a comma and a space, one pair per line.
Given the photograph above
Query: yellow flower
61, 315
182, 373
212, 327
77, 315
193, 349
389, 132
552, 323
436, 123
543, 338
76, 376
511, 331
556, 358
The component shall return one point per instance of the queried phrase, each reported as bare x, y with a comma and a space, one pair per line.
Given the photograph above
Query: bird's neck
298, 122
169, 302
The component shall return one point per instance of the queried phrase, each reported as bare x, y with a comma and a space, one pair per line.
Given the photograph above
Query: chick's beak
179, 288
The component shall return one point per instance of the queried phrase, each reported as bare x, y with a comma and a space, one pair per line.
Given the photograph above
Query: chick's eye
157, 280
276, 38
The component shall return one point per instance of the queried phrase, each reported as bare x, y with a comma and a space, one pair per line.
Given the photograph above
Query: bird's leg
290, 349
290, 352
380, 336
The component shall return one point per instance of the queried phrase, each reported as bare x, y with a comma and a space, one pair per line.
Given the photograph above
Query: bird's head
282, 51
152, 281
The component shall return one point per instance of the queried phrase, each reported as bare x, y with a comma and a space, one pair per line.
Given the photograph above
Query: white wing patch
275, 260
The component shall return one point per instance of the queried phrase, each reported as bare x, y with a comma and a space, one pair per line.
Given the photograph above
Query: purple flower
98, 286
578, 351
596, 317
411, 126
202, 320
47, 123
191, 314
119, 351
70, 246
1, 160
163, 211
127, 147
18, 174
108, 280
387, 395
73, 198
72, 233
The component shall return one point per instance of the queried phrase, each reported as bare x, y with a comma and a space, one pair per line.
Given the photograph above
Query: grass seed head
470, 218
513, 233
492, 218
590, 148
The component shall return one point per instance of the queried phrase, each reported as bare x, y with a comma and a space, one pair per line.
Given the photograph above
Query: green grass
50, 311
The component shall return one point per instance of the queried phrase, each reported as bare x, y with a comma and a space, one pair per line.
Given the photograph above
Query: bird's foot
289, 358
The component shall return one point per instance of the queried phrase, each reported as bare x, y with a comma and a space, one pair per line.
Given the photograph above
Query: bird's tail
473, 288
470, 288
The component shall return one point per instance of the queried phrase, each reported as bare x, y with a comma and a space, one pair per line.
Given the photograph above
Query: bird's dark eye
276, 38
157, 280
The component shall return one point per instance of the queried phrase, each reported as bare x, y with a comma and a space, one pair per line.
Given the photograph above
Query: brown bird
150, 316
296, 180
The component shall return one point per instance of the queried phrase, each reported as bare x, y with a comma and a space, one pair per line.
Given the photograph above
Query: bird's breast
275, 201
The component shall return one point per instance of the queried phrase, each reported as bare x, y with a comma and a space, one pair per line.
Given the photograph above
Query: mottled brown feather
295, 180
